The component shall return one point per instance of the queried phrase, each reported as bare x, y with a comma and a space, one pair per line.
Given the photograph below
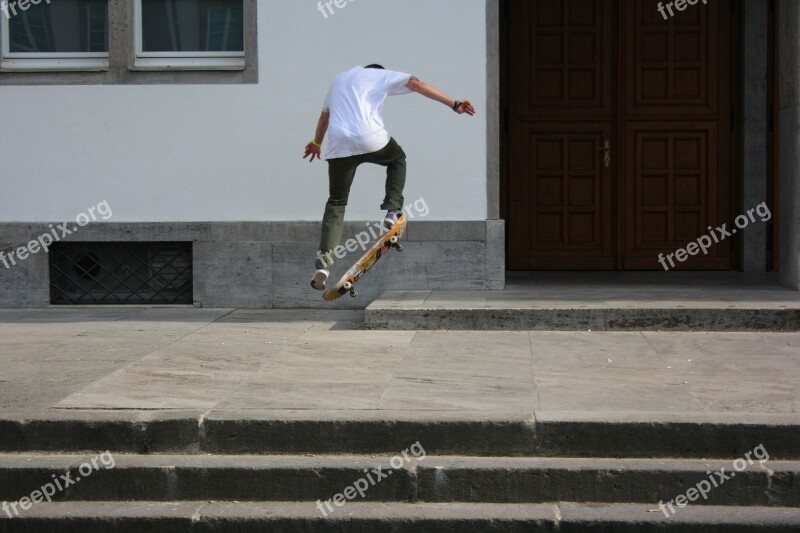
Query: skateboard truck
394, 242
349, 287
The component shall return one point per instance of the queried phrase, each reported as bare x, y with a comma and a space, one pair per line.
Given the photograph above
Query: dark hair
375, 66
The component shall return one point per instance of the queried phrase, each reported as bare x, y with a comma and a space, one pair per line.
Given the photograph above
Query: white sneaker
319, 279
391, 219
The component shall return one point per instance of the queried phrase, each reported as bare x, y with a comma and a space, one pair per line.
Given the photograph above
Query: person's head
375, 66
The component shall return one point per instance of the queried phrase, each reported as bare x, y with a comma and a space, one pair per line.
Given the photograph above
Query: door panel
672, 187
582, 73
562, 116
564, 65
564, 197
676, 176
671, 67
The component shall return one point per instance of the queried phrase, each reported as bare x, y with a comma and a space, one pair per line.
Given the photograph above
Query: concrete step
379, 316
279, 517
110, 477
562, 434
529, 309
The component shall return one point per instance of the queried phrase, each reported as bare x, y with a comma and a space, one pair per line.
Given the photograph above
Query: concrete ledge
19, 233
278, 517
123, 431
203, 477
564, 303
379, 316
266, 265
432, 479
368, 431
700, 435
527, 480
643, 301
574, 434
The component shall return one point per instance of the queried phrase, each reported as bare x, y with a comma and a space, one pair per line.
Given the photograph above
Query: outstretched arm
428, 90
314, 148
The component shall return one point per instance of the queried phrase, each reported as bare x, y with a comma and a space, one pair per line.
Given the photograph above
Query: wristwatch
457, 105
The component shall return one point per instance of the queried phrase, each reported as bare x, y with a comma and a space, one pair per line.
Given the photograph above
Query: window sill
53, 65
172, 64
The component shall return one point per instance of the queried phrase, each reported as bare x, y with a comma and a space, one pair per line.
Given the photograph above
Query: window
62, 35
189, 34
128, 42
121, 273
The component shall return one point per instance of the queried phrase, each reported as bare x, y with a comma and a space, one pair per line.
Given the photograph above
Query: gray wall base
269, 264
790, 142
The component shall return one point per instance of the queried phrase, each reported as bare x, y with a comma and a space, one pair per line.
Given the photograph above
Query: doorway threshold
599, 301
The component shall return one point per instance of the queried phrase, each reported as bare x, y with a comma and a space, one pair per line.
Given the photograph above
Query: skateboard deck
379, 249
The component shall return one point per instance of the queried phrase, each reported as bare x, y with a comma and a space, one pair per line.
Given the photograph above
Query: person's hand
465, 107
314, 150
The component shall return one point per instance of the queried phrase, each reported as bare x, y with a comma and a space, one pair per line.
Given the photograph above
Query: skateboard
379, 249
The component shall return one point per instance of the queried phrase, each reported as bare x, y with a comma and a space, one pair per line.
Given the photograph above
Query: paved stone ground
170, 358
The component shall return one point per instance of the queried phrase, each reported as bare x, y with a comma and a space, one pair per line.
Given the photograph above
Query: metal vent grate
121, 273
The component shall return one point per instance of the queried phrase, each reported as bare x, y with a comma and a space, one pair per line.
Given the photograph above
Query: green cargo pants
341, 172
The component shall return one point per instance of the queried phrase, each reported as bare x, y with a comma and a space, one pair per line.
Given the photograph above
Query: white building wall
234, 152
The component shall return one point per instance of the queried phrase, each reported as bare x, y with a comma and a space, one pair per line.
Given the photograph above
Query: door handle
607, 150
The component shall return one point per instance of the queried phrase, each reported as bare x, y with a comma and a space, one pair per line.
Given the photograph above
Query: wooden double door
620, 130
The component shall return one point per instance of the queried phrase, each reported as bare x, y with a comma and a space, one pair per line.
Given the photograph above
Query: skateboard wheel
399, 247
347, 285
394, 239
353, 293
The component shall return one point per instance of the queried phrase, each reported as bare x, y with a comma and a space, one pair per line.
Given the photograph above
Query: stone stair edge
521, 433
532, 418
192, 512
29, 460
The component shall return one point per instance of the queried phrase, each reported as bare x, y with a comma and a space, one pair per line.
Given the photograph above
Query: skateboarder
353, 115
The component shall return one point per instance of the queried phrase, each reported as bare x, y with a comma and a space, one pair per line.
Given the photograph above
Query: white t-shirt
355, 102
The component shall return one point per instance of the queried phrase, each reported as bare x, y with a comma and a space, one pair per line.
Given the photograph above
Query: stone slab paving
185, 358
